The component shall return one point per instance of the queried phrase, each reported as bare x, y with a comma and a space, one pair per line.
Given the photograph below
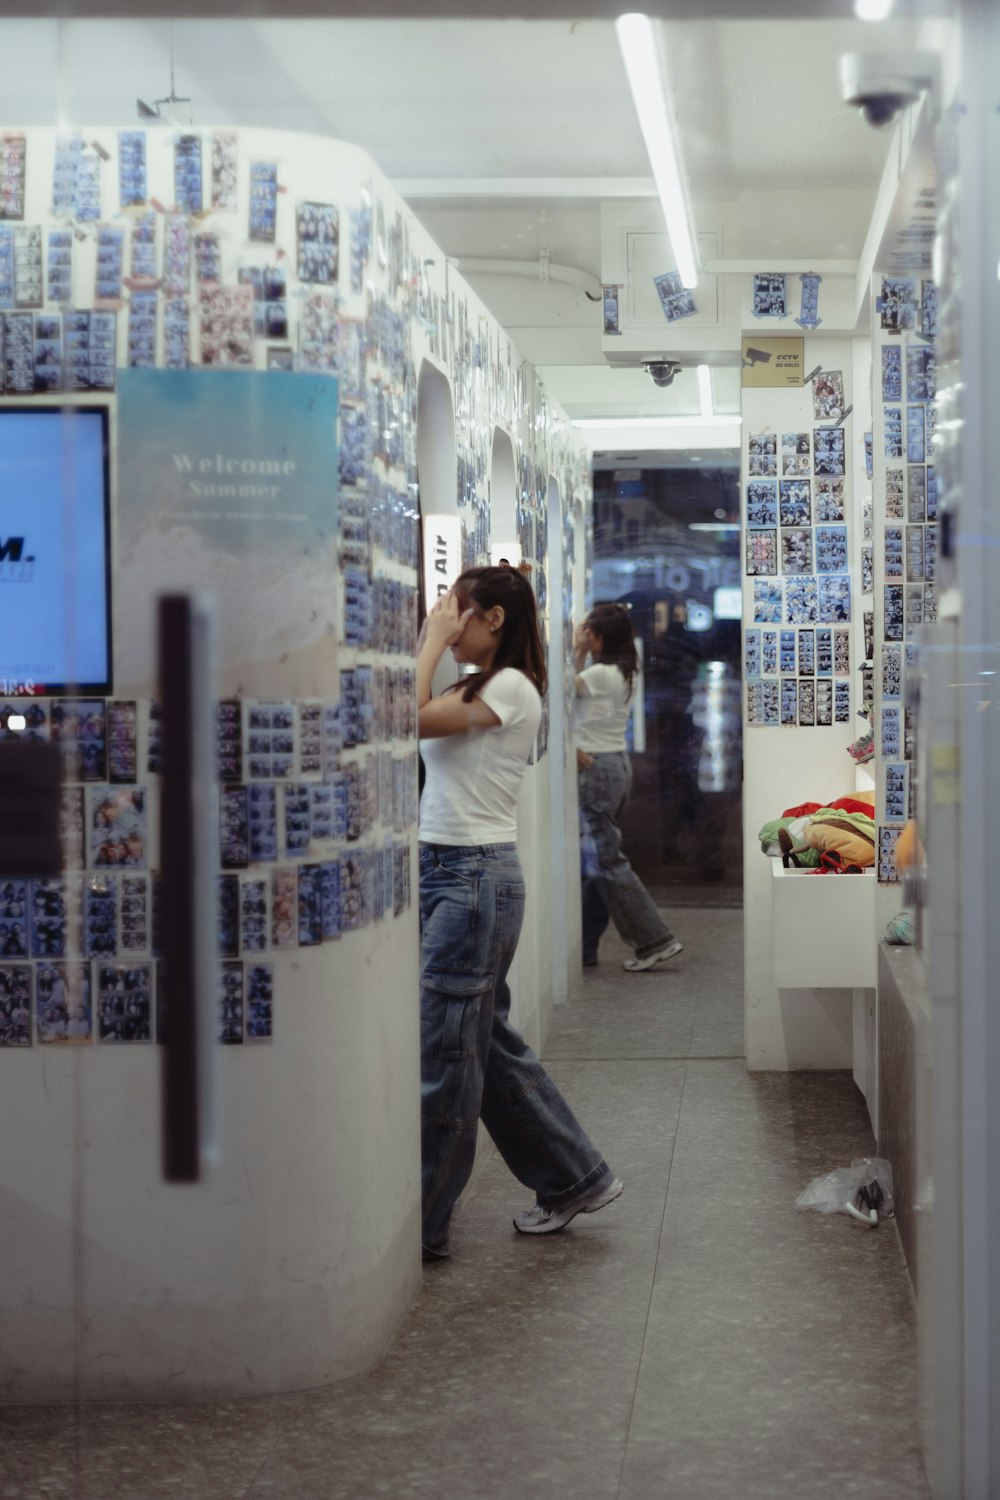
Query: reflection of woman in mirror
476, 740
611, 889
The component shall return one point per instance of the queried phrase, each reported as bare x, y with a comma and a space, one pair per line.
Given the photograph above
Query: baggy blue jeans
613, 891
474, 1065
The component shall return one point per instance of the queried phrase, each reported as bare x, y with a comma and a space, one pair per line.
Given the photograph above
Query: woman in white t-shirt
475, 740
611, 889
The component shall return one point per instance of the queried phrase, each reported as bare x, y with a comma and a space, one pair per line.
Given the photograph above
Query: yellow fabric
854, 849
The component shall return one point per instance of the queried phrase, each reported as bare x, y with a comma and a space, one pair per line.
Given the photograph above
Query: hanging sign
442, 556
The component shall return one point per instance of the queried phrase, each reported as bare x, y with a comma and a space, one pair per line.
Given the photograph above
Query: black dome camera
661, 371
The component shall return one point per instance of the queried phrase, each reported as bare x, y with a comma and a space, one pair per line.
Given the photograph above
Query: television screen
55, 591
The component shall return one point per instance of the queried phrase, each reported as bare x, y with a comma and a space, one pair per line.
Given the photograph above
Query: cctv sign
442, 555
776, 362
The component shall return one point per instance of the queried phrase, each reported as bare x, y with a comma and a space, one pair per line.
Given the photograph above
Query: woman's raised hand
445, 622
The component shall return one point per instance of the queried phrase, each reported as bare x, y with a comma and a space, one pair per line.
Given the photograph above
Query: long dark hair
520, 642
613, 623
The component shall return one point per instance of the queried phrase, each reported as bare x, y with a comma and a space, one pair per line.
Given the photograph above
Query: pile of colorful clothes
834, 835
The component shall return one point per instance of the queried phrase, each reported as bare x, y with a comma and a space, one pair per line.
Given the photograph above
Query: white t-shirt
470, 793
603, 709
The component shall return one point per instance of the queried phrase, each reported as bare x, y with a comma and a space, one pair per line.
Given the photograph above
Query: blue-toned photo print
801, 601
763, 453
829, 500
834, 598
231, 1004
916, 451
795, 506
932, 494
828, 450
769, 295
751, 654
892, 595
892, 372
893, 434
928, 308
831, 549
898, 308
841, 653
824, 653
796, 550
824, 702
807, 653
916, 493
787, 651
259, 1002
762, 503
15, 1005
789, 701
767, 599
921, 373
675, 299
807, 703
915, 554
761, 552
769, 652
892, 671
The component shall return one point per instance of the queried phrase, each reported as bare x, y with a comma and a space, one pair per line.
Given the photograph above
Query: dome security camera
662, 371
882, 84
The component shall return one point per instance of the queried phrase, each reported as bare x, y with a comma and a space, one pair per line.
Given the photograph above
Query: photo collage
906, 539
80, 955
797, 656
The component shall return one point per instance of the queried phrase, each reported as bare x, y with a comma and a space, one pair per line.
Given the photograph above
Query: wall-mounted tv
55, 551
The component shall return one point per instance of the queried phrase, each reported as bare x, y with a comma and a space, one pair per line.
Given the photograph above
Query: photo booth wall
805, 488
258, 312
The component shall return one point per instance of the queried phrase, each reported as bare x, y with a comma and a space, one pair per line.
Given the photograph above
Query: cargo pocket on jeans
450, 1003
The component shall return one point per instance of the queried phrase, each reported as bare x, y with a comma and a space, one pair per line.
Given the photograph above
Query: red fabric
842, 804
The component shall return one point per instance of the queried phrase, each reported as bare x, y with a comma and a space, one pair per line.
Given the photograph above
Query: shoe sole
640, 966
615, 1191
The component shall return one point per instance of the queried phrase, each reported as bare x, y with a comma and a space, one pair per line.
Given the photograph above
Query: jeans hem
601, 1173
657, 947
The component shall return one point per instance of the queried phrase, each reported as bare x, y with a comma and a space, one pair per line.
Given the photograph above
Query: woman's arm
448, 714
581, 647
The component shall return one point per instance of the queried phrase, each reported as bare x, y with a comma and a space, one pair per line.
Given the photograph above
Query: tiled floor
697, 1340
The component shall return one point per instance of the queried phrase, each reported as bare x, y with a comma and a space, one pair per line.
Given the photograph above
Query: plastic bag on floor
863, 1190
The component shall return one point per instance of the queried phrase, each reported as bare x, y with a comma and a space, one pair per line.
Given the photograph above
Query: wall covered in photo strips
250, 306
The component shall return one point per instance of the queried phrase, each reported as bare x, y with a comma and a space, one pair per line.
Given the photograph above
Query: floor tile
698, 1339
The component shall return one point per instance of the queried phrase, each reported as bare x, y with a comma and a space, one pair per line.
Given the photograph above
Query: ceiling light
713, 526
705, 391
873, 10
641, 56
716, 421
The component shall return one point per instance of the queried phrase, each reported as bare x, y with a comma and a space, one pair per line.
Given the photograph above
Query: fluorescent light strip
705, 392
641, 56
873, 10
649, 422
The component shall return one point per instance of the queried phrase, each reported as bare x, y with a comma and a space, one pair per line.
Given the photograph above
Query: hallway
697, 1340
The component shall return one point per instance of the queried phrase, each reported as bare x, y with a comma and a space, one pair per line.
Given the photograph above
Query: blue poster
227, 483
247, 458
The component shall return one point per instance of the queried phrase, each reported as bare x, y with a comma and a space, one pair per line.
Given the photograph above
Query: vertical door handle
187, 972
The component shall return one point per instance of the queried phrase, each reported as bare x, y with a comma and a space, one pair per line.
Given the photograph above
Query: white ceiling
458, 105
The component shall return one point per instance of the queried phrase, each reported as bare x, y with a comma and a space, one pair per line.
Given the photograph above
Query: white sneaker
636, 965
539, 1220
